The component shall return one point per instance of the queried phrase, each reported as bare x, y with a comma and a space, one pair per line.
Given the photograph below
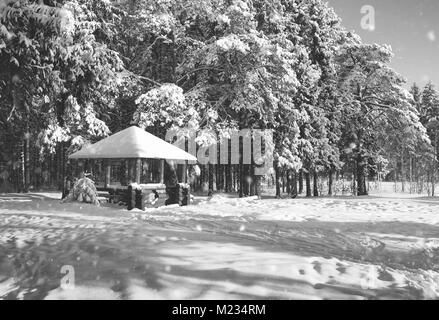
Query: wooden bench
103, 196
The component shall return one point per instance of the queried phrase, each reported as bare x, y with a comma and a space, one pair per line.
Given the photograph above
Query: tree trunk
205, 178
300, 181
27, 159
218, 177
402, 172
245, 180
283, 181
63, 170
411, 173
361, 176
251, 180
241, 180
315, 184
435, 165
212, 177
289, 182
433, 170
308, 184
294, 185
224, 177
330, 181
257, 183
22, 187
278, 177
235, 177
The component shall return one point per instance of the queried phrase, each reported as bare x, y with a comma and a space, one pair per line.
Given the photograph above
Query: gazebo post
91, 165
137, 170
184, 178
80, 168
76, 168
107, 173
127, 170
162, 171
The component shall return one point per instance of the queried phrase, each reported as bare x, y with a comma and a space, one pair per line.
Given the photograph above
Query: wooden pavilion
131, 156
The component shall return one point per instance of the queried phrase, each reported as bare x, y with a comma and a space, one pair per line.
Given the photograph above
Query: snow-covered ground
379, 247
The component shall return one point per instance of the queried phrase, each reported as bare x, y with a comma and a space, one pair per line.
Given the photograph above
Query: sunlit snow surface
385, 246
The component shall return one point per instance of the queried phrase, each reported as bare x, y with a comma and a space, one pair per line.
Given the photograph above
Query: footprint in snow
370, 243
385, 276
317, 266
341, 268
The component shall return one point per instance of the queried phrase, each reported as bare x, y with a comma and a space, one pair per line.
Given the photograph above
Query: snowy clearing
223, 248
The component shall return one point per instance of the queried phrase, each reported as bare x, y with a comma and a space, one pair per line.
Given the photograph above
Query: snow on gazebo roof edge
132, 142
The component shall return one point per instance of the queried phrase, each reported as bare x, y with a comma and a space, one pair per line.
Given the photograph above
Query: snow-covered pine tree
375, 104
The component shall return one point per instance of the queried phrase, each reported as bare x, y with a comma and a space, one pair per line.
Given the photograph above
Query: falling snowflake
431, 36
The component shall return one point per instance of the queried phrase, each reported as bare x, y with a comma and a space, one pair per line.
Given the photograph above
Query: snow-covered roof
132, 142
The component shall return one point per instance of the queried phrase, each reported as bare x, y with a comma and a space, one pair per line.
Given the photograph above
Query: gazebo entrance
116, 173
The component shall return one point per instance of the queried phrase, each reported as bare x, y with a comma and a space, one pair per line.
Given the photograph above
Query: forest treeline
74, 71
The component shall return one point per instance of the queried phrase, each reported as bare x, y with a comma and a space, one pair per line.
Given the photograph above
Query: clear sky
411, 27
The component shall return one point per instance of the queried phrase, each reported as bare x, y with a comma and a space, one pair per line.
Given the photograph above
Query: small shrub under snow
84, 191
